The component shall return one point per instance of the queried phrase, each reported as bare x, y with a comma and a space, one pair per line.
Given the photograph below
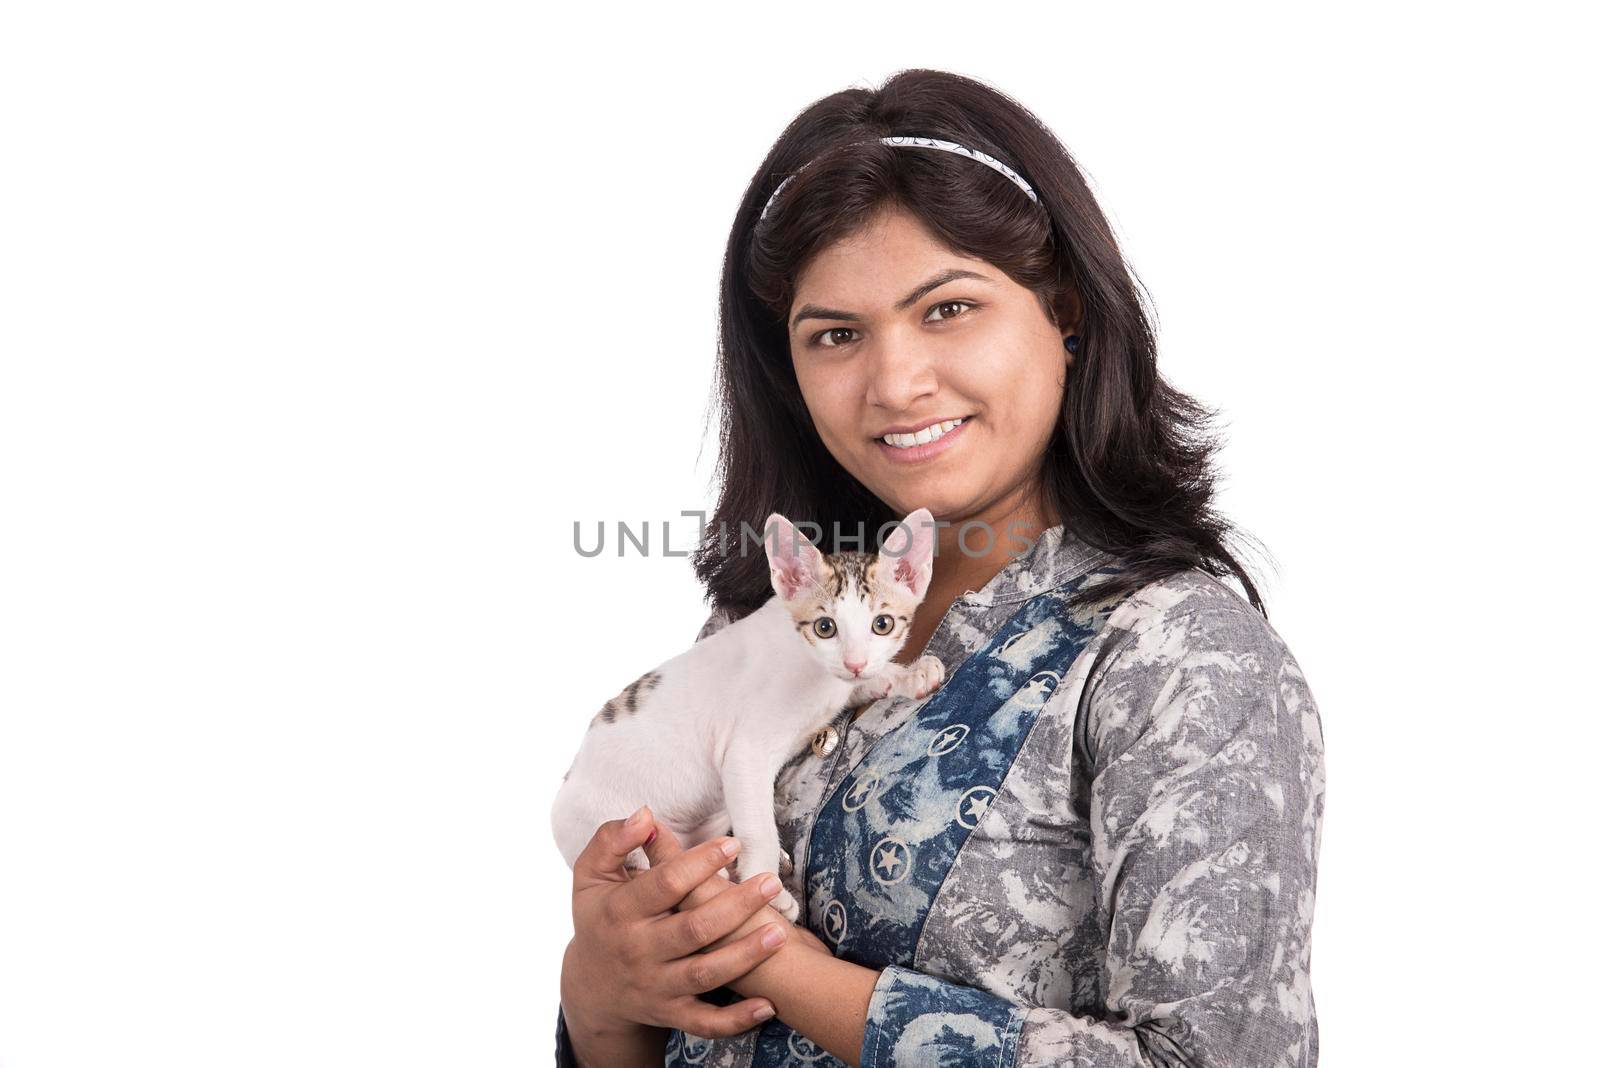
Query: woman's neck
994, 537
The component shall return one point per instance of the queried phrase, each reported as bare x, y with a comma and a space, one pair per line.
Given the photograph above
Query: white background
321, 324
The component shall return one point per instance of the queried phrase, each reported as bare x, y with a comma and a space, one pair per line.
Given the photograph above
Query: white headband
901, 141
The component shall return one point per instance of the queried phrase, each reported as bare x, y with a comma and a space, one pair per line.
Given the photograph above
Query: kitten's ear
795, 563
907, 554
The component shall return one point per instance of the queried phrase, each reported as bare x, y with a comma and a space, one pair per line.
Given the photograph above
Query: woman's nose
899, 372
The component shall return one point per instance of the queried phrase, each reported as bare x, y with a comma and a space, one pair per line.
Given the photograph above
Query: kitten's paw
786, 904
785, 863
867, 692
925, 676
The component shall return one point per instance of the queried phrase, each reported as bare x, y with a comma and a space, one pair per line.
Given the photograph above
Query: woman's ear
1066, 316
1071, 323
1071, 311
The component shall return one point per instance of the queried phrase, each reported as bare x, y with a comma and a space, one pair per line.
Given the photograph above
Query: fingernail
633, 820
764, 1013
769, 886
730, 847
651, 837
773, 938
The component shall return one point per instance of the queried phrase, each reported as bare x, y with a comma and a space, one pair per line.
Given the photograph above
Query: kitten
701, 738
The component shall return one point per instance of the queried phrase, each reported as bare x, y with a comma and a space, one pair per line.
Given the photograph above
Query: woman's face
880, 344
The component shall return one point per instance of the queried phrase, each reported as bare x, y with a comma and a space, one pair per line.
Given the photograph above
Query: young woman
1096, 843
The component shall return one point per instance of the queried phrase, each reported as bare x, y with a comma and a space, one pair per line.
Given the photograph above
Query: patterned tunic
1095, 845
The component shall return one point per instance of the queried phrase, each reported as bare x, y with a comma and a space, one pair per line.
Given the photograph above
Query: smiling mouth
924, 436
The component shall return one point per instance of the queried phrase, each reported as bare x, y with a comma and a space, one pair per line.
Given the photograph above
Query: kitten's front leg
873, 689
747, 789
922, 677
916, 681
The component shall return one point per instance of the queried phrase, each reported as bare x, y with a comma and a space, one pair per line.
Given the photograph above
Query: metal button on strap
825, 741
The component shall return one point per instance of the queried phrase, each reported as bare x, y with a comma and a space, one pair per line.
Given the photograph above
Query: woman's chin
935, 492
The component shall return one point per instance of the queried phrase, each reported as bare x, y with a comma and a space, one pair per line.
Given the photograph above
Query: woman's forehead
879, 268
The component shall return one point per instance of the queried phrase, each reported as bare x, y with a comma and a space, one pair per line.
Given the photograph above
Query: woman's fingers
701, 972
657, 890
707, 890
663, 847
693, 930
709, 1021
601, 860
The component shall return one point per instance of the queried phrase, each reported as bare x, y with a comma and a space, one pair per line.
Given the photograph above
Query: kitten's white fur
701, 738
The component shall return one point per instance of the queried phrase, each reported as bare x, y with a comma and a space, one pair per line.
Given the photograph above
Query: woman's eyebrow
812, 311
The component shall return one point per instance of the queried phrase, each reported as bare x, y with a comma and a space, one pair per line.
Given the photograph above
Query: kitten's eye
883, 625
823, 626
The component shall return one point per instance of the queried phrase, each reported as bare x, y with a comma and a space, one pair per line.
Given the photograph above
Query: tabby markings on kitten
850, 568
626, 702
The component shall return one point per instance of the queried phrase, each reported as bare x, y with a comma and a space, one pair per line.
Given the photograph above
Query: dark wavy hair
1129, 468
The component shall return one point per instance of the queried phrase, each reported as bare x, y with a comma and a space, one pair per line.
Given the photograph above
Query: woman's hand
664, 846
634, 965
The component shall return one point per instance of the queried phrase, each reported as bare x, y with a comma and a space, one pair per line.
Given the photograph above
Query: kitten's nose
855, 666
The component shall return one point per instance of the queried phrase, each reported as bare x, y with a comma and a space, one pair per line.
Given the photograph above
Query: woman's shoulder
1175, 614
1188, 646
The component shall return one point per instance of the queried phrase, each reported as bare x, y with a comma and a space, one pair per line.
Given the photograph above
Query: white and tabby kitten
701, 738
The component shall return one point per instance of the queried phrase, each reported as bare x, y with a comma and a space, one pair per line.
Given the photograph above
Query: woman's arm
822, 997
619, 1051
802, 968
638, 961
1206, 807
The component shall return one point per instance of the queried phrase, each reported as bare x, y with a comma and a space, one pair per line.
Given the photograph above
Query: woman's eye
823, 626
951, 304
826, 339
883, 625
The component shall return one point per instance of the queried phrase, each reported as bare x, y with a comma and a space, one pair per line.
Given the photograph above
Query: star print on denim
776, 1045
967, 1028
884, 842
780, 1046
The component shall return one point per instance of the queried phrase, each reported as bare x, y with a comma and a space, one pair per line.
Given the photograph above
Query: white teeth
923, 436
